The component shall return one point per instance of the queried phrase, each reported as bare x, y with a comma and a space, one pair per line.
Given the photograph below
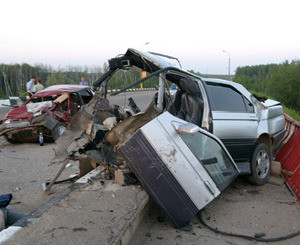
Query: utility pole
228, 63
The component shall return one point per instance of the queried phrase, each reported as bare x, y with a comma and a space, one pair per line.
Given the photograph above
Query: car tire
58, 131
9, 140
260, 164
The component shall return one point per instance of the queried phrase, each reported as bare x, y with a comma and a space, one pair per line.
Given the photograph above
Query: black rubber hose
275, 239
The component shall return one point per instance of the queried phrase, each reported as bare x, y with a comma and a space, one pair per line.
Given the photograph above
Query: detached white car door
182, 166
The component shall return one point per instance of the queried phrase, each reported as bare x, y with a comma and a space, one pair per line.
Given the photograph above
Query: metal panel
238, 131
234, 125
157, 180
289, 154
179, 159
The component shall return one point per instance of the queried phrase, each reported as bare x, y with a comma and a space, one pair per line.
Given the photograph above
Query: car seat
191, 107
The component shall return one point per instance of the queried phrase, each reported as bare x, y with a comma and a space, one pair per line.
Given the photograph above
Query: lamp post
144, 45
228, 62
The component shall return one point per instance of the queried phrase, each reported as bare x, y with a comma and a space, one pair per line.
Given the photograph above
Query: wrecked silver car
183, 149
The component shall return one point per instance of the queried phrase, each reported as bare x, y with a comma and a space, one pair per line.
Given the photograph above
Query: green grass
292, 113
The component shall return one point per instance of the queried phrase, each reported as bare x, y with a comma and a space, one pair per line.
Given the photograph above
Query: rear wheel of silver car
58, 131
260, 164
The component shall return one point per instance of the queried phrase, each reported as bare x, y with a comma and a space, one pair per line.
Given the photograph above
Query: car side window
212, 157
225, 98
86, 96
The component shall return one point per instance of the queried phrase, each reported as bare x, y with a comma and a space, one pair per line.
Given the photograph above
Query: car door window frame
248, 105
221, 186
246, 109
206, 105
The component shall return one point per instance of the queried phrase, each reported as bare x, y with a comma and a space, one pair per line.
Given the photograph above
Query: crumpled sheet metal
42, 120
123, 131
78, 125
89, 119
34, 107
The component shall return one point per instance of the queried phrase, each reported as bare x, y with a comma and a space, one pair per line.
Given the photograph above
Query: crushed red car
48, 112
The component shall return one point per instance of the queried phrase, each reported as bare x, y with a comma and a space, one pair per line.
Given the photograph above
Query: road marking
8, 233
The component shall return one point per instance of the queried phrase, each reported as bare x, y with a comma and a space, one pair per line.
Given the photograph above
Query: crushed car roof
146, 60
63, 88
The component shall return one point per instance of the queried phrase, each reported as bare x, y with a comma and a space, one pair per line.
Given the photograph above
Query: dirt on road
23, 169
242, 208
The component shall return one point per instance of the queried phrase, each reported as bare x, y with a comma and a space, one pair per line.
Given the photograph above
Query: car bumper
28, 131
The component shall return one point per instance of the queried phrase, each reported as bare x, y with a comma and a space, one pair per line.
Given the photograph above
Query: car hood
19, 113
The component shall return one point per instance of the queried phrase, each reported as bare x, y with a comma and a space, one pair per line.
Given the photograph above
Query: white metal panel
235, 125
179, 159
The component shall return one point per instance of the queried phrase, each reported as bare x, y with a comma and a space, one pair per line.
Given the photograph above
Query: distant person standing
83, 82
38, 87
30, 85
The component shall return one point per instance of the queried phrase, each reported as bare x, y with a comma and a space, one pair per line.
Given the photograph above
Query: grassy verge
292, 113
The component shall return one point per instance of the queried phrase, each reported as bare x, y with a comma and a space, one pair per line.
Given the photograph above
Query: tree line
278, 81
13, 77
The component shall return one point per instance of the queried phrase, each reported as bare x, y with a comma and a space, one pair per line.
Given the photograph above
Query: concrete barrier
101, 212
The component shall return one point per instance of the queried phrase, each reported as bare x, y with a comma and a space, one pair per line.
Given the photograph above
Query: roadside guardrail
289, 154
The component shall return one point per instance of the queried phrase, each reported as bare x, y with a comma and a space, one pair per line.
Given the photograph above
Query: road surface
24, 167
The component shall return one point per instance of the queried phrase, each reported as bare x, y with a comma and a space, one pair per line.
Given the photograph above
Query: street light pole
228, 62
144, 45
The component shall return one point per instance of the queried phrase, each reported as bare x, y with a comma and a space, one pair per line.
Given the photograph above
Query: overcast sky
63, 32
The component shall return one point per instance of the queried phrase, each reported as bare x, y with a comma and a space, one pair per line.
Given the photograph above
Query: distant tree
58, 78
279, 81
194, 72
284, 84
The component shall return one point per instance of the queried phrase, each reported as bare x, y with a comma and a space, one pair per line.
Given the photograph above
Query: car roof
58, 89
159, 63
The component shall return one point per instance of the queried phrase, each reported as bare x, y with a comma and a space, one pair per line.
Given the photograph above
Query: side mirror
188, 128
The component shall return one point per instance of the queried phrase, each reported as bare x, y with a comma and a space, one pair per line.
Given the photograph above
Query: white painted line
8, 233
93, 173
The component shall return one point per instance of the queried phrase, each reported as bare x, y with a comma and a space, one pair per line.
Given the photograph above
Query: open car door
182, 166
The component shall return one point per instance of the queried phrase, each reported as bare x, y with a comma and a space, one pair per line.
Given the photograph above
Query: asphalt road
24, 167
4, 111
142, 99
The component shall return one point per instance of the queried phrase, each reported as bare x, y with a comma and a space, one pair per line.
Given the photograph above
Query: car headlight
7, 121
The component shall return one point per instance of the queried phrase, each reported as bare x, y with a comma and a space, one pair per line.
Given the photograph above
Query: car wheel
58, 131
9, 140
260, 164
